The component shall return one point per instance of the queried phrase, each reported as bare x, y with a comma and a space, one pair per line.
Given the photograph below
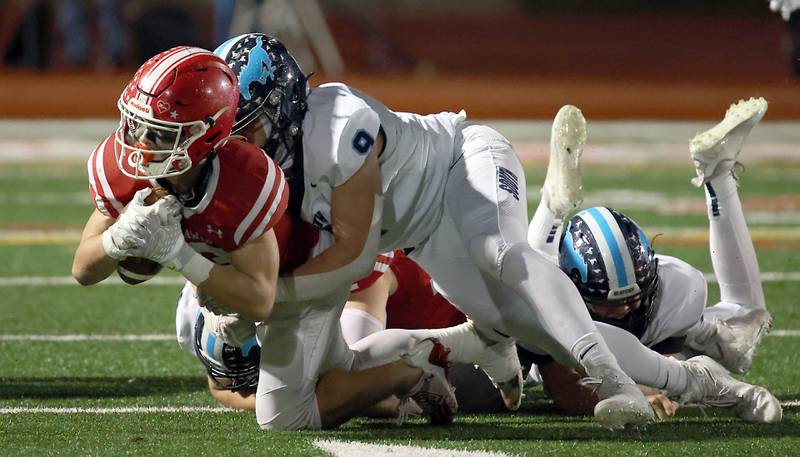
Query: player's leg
308, 382
742, 309
696, 380
357, 324
562, 191
494, 354
536, 302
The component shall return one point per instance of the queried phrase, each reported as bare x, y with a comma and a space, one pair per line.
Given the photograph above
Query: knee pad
286, 408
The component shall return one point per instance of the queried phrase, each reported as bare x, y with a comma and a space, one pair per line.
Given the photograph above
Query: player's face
615, 310
258, 130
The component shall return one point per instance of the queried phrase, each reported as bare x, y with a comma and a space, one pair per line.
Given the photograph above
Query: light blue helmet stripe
572, 260
223, 49
246, 347
613, 246
211, 341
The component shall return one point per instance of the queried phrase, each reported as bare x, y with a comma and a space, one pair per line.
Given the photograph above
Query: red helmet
177, 107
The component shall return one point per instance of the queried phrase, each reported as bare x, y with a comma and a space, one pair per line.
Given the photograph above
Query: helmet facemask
149, 148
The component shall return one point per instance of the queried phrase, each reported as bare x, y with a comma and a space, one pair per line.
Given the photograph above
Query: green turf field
43, 210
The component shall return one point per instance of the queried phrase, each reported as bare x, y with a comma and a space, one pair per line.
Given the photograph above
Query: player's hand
206, 301
785, 7
662, 406
232, 329
124, 238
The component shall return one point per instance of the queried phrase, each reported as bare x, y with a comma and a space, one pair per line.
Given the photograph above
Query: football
136, 270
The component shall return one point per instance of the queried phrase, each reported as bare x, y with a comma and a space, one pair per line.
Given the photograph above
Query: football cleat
501, 364
562, 188
711, 384
734, 342
621, 402
714, 151
433, 392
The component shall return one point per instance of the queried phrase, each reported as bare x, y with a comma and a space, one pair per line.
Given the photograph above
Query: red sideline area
616, 67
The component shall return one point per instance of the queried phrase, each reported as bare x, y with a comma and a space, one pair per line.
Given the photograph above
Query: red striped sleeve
382, 264
269, 206
98, 181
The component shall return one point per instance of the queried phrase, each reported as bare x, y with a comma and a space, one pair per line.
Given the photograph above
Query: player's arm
352, 204
91, 264
246, 286
244, 399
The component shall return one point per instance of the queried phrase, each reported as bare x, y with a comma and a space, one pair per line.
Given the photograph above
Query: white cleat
711, 384
501, 364
734, 342
562, 188
433, 393
714, 151
621, 402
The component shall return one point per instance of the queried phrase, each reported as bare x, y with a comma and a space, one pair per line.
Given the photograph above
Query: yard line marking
18, 281
358, 449
14, 281
181, 409
88, 337
69, 338
784, 333
766, 276
118, 410
762, 233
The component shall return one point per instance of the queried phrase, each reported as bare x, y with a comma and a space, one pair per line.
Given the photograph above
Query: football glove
232, 329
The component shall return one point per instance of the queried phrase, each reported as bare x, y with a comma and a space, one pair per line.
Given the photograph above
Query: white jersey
680, 302
338, 132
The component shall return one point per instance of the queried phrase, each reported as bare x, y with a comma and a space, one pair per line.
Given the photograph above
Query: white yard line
88, 337
79, 337
15, 281
117, 410
359, 449
42, 281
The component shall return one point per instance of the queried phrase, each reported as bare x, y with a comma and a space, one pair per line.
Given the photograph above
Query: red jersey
415, 304
245, 195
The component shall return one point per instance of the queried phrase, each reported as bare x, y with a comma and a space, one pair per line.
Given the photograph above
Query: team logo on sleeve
508, 181
362, 141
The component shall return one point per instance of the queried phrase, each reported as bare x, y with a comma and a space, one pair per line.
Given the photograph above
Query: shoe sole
746, 359
617, 413
568, 134
744, 113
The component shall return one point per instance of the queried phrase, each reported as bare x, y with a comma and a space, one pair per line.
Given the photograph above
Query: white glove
132, 234
232, 329
123, 237
785, 7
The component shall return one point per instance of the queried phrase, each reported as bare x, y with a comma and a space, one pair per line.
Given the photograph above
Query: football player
218, 227
454, 198
414, 303
660, 300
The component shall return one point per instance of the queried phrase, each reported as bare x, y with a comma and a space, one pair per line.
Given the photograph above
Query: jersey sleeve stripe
280, 200
101, 202
269, 183
101, 173
98, 200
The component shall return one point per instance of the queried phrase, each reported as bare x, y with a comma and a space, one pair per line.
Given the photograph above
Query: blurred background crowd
486, 52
